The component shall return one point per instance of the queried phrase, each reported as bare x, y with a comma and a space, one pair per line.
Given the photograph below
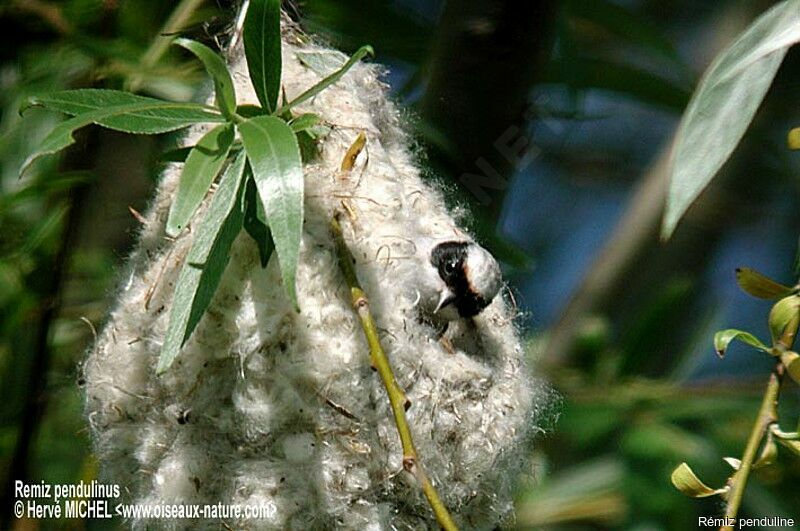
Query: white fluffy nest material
265, 406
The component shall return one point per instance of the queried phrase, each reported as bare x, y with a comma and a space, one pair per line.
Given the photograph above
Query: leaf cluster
254, 151
783, 323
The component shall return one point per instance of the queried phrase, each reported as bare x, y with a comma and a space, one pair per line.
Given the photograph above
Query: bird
459, 280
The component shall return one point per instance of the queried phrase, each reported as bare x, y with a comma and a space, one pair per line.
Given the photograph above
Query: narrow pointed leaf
724, 104
782, 314
156, 116
723, 338
758, 285
205, 263
62, 135
274, 157
202, 166
262, 48
304, 122
218, 70
330, 80
324, 63
687, 482
255, 225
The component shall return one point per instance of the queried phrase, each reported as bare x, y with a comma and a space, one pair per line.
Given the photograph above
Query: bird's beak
445, 298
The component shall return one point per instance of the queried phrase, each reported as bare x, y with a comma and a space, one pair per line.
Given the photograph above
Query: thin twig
767, 416
380, 362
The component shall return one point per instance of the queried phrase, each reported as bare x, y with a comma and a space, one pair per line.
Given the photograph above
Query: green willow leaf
218, 70
202, 166
723, 338
157, 117
328, 81
724, 104
262, 48
274, 156
255, 224
205, 263
758, 285
304, 122
129, 120
323, 63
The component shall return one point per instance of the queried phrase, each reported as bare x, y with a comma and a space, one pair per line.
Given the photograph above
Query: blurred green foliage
628, 414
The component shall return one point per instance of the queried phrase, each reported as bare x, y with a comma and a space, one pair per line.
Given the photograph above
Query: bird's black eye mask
449, 259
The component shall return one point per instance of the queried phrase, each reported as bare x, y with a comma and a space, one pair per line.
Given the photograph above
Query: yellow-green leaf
782, 313
758, 285
685, 480
723, 338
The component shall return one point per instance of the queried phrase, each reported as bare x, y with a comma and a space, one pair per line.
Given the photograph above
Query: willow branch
767, 416
397, 398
